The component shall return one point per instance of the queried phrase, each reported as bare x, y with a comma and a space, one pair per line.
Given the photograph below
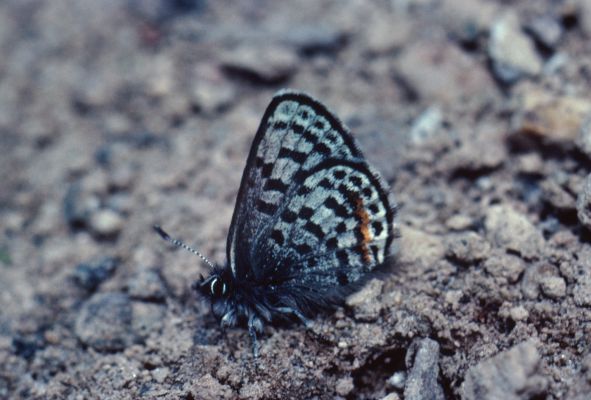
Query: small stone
397, 380
104, 322
530, 163
106, 223
458, 222
512, 52
147, 318
582, 290
418, 247
554, 117
459, 76
344, 386
518, 313
426, 126
391, 396
546, 30
384, 35
584, 203
121, 178
422, 358
489, 379
90, 275
585, 16
532, 278
553, 287
512, 230
467, 248
210, 98
160, 374
583, 141
315, 39
503, 265
146, 284
268, 65
364, 302
557, 195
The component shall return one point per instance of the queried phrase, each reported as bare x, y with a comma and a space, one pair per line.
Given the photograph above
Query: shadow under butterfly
312, 220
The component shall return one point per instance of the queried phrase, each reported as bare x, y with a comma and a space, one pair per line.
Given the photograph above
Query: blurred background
115, 115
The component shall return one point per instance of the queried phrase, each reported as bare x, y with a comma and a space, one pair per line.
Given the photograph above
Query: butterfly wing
310, 213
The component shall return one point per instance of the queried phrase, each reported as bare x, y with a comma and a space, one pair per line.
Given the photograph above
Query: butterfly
312, 219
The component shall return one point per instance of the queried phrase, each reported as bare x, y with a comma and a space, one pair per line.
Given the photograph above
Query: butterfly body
311, 220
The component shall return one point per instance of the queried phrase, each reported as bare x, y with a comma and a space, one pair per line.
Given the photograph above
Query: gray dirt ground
115, 115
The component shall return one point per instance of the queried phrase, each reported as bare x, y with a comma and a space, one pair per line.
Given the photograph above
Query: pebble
364, 302
509, 229
512, 52
106, 223
344, 386
426, 126
553, 286
459, 76
582, 290
546, 30
489, 379
391, 396
583, 141
503, 265
557, 196
147, 318
422, 358
584, 203
418, 247
147, 284
105, 322
458, 222
316, 39
532, 278
467, 247
518, 313
89, 275
266, 65
552, 116
212, 98
397, 380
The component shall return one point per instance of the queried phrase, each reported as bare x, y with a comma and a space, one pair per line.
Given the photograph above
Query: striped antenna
178, 243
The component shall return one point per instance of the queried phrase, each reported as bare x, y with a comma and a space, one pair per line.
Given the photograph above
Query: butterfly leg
254, 326
288, 310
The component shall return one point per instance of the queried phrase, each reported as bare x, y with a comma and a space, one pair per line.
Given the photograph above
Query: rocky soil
116, 115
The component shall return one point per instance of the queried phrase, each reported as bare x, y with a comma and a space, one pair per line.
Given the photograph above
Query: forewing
296, 134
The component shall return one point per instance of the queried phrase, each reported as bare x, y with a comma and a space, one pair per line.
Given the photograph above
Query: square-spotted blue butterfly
311, 220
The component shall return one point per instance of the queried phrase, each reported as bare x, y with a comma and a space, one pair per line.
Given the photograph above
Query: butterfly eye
217, 287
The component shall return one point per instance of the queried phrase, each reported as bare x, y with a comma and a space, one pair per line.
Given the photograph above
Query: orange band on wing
363, 216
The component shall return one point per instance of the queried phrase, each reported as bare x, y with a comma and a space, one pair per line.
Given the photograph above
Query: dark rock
263, 65
91, 274
511, 375
422, 358
316, 39
75, 212
105, 322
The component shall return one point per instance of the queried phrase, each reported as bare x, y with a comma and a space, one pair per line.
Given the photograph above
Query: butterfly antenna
178, 243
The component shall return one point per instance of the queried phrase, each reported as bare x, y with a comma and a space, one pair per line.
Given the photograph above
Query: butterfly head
217, 286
